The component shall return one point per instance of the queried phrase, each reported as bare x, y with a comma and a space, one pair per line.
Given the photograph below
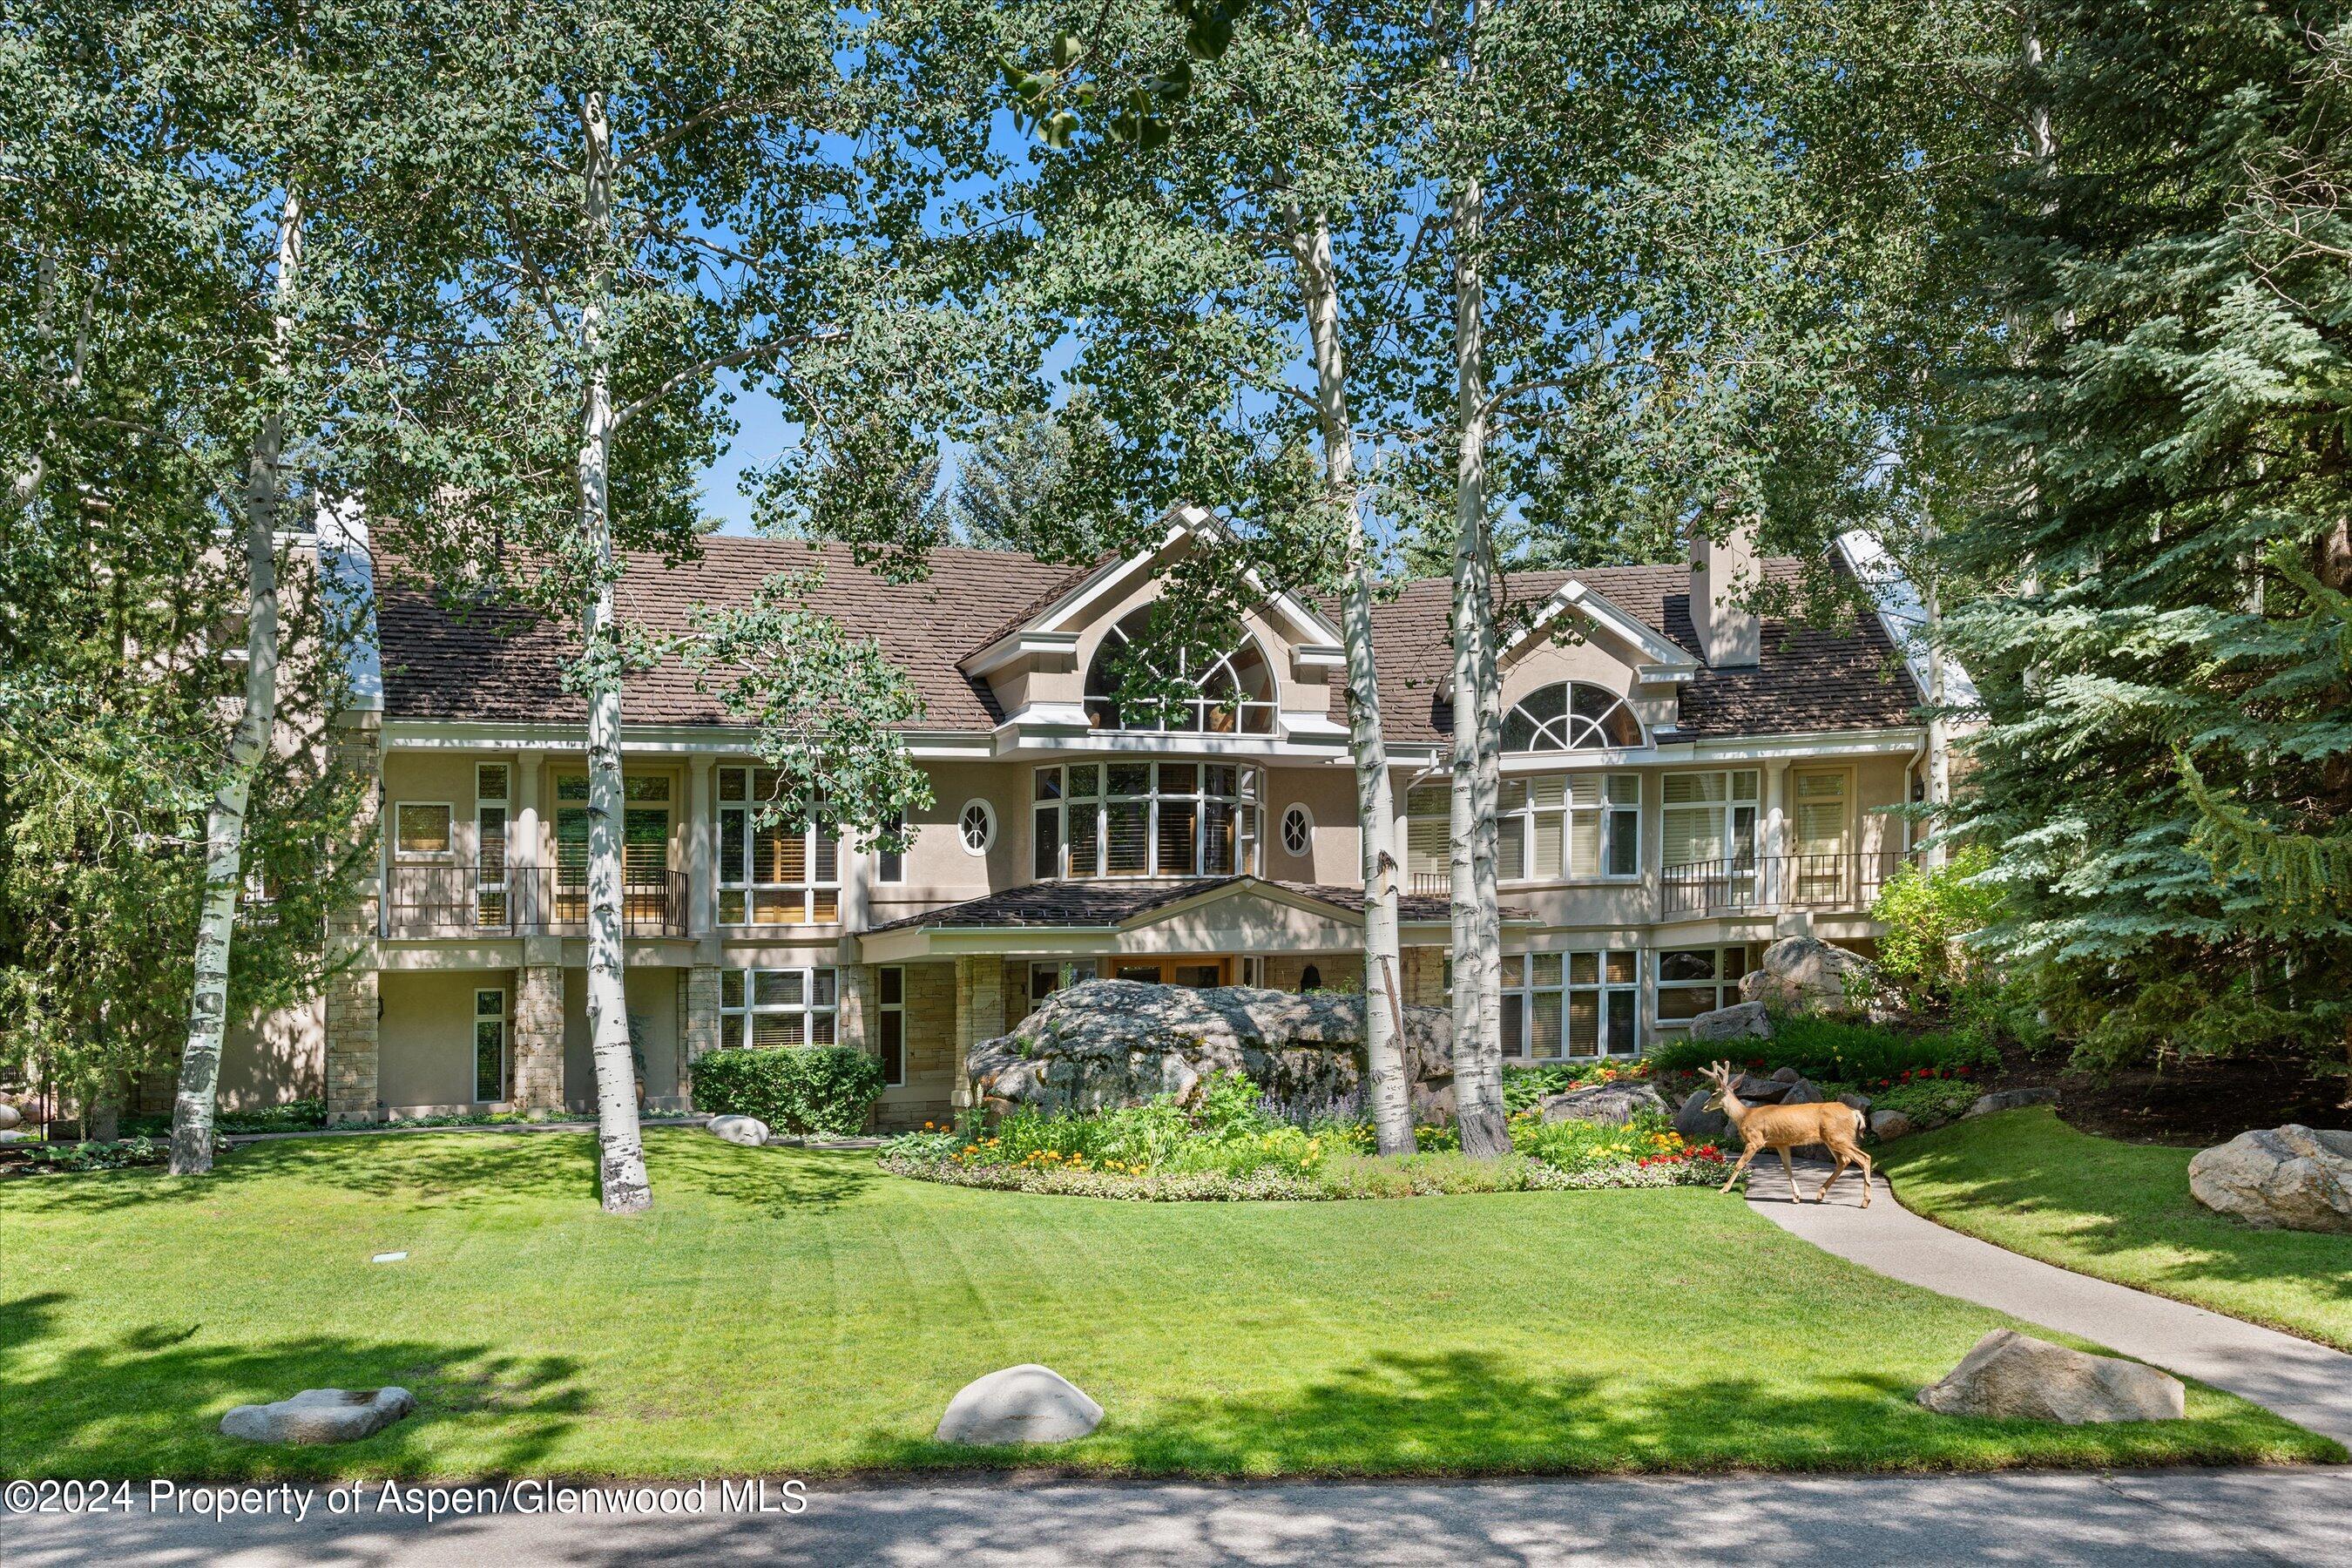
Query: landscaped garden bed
1235, 1146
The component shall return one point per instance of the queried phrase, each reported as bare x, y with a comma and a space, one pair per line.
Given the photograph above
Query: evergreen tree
2167, 775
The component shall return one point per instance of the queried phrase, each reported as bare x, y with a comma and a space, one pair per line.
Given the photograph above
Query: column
523, 845
979, 1014
700, 1036
354, 998
538, 1085
701, 852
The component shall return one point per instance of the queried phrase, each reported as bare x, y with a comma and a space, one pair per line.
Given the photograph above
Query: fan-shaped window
1236, 689
1572, 717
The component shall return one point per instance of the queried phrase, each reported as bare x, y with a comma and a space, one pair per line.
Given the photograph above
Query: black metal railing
1849, 881
445, 901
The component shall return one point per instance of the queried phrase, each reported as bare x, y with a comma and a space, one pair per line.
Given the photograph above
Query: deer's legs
1823, 1196
1745, 1155
1788, 1168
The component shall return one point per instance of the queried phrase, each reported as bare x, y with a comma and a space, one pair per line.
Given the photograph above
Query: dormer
1048, 672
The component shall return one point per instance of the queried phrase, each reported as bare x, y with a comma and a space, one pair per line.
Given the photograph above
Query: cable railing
462, 899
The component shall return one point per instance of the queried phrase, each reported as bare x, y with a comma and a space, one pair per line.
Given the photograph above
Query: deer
1835, 1125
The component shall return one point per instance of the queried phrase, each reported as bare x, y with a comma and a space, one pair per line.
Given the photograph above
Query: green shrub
1929, 1101
795, 1088
1925, 914
1524, 1086
1831, 1050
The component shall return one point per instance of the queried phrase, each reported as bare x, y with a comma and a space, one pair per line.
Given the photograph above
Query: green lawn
791, 1312
2027, 1181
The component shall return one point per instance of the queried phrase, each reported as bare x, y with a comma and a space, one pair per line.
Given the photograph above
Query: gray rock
1889, 1125
1859, 1101
1787, 1074
1614, 1103
1753, 1091
320, 1416
2280, 1178
10, 1117
1805, 1091
1697, 1124
747, 1131
1740, 1021
2010, 1099
1120, 1042
1025, 1403
2012, 1376
15, 1137
1806, 974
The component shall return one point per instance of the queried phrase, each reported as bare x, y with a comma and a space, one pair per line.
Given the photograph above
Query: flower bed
1232, 1146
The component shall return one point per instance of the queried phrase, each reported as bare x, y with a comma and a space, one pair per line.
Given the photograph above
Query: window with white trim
765, 1009
890, 1022
1568, 1004
976, 827
890, 865
1297, 831
421, 830
490, 787
1711, 817
490, 1044
1694, 980
1549, 827
1572, 716
1146, 819
772, 874
1236, 687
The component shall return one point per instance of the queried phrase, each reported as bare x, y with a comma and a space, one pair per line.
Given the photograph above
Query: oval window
1297, 830
976, 827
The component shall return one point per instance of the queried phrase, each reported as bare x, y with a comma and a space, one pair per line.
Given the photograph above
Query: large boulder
10, 1116
2012, 1376
320, 1416
1120, 1042
1740, 1021
2280, 1178
1806, 974
1886, 1126
1615, 1103
747, 1131
1025, 1403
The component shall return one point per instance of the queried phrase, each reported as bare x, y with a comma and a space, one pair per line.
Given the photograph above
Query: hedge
795, 1088
1829, 1050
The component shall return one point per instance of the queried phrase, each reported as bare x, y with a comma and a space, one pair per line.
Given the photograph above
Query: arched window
1236, 689
1572, 717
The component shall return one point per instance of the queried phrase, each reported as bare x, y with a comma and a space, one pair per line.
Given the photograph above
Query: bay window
1145, 819
1563, 1004
772, 874
764, 1008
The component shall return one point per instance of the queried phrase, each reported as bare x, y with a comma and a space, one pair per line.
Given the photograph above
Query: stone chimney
1722, 576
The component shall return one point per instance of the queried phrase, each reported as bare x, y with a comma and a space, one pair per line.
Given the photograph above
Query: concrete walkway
2309, 1384
2285, 1516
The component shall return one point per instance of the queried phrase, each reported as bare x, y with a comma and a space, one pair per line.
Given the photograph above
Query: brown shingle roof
436, 666
1803, 679
1109, 902
506, 667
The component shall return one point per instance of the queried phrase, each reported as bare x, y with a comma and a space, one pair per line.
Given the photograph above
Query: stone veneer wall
979, 1012
1340, 971
1425, 976
538, 1044
929, 1093
698, 1035
353, 998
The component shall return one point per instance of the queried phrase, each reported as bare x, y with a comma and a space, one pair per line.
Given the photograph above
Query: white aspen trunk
1476, 923
199, 1081
1939, 729
1384, 1065
621, 1162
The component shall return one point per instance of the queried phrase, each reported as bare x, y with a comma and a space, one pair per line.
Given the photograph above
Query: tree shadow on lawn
461, 1170
1475, 1413
2215, 1247
150, 1401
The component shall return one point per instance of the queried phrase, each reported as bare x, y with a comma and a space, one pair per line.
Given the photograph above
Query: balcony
464, 901
1846, 882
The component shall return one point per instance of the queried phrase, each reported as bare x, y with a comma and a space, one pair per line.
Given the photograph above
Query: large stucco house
1681, 781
